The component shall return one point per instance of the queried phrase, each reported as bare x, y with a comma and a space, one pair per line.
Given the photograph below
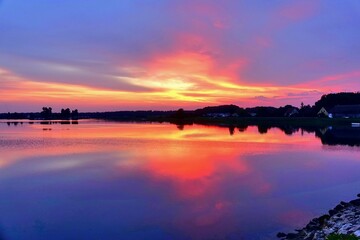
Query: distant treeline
45, 114
327, 101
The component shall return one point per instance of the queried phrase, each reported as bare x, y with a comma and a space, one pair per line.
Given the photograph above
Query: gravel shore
343, 219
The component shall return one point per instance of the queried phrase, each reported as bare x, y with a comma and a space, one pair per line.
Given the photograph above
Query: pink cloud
348, 81
299, 10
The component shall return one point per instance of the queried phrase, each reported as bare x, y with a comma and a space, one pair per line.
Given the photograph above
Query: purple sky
164, 54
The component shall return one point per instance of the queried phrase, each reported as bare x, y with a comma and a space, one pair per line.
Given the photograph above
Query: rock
311, 227
323, 218
332, 212
355, 202
311, 236
292, 236
343, 219
344, 229
357, 233
281, 235
328, 231
339, 207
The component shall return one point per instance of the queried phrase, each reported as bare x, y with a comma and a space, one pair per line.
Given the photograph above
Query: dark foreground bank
343, 220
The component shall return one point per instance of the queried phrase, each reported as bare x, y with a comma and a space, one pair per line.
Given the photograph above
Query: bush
342, 237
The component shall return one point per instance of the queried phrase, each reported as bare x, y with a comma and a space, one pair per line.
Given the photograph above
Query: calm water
98, 180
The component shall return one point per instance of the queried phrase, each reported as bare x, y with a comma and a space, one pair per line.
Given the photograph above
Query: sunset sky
99, 55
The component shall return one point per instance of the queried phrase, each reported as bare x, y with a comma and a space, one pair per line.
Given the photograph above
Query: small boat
355, 124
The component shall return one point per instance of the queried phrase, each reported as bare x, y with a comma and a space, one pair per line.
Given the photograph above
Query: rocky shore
343, 219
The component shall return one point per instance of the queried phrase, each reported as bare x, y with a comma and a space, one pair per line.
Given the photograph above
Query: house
291, 112
218, 115
345, 111
323, 113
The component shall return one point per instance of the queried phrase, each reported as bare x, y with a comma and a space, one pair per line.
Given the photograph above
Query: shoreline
251, 121
343, 219
222, 121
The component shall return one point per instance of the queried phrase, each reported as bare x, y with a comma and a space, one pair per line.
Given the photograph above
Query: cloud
304, 94
263, 98
182, 52
298, 10
342, 82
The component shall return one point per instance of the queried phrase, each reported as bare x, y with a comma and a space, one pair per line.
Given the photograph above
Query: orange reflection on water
192, 179
192, 153
169, 132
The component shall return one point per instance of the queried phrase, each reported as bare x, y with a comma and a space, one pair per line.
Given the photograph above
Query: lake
108, 180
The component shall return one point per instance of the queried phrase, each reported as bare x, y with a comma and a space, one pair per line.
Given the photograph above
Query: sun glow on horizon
176, 88
183, 80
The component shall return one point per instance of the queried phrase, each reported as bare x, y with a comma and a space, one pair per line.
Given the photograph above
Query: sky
97, 55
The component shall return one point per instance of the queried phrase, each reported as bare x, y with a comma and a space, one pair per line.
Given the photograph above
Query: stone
343, 219
339, 207
357, 233
323, 218
332, 212
355, 202
291, 236
281, 235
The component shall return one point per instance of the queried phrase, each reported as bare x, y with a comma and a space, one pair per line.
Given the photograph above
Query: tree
231, 130
330, 100
65, 113
75, 114
180, 113
46, 113
307, 111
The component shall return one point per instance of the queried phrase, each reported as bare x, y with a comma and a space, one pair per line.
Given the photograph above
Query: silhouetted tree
65, 113
227, 109
180, 113
330, 100
307, 111
263, 129
231, 130
264, 111
75, 114
14, 115
242, 128
46, 113
180, 126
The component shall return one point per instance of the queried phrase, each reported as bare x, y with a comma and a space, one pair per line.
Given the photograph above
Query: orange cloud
187, 79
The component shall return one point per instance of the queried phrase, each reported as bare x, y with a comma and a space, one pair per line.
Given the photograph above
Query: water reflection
340, 136
13, 123
349, 136
103, 180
